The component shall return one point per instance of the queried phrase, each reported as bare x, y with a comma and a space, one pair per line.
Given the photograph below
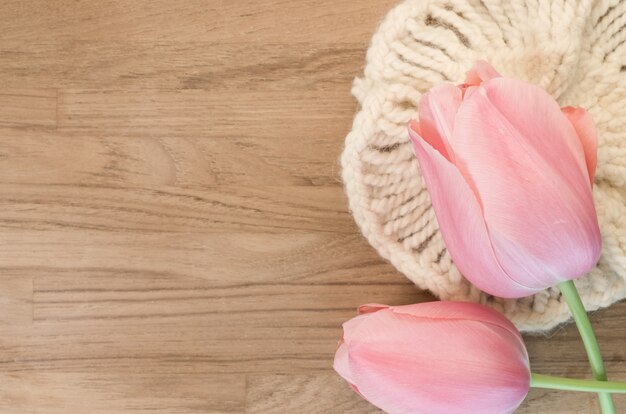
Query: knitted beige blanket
576, 49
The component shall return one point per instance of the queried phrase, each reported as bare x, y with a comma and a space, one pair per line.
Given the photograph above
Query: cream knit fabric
576, 49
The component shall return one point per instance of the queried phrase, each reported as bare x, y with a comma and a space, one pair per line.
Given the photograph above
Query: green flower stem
570, 384
570, 293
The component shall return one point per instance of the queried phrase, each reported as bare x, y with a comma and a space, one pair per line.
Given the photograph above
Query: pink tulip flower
510, 177
435, 358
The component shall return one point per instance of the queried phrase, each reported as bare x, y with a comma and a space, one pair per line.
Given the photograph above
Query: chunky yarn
576, 49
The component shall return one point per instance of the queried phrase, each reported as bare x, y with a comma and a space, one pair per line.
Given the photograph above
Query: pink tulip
434, 358
510, 177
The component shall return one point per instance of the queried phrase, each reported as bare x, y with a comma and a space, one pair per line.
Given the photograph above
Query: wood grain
28, 108
268, 21
105, 391
175, 236
207, 65
16, 301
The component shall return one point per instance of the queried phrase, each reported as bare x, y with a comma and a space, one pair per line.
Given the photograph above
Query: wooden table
175, 236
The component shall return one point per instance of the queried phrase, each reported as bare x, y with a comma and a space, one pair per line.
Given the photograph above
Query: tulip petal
467, 90
371, 308
403, 367
461, 223
342, 362
437, 110
481, 72
526, 164
458, 311
586, 129
352, 324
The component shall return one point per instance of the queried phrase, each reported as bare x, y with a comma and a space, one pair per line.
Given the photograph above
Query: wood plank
223, 260
28, 108
41, 157
297, 114
304, 394
209, 65
105, 392
239, 21
16, 300
106, 295
167, 209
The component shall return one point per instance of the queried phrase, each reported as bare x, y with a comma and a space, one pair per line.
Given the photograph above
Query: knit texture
575, 49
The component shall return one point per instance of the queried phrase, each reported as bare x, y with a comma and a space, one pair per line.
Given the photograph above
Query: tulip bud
435, 358
510, 176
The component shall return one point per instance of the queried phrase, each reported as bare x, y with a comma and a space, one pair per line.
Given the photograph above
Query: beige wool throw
575, 49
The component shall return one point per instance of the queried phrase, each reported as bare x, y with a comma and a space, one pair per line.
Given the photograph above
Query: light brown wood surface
175, 236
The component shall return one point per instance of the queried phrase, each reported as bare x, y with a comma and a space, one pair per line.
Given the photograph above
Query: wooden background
175, 237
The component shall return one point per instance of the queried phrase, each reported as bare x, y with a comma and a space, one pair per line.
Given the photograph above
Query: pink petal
352, 325
342, 362
438, 366
437, 110
524, 160
481, 72
461, 223
371, 308
458, 311
467, 90
586, 130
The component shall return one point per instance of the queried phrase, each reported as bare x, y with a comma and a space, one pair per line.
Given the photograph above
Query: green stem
570, 293
570, 384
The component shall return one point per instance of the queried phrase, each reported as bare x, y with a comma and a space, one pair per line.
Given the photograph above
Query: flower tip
482, 71
573, 110
371, 308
